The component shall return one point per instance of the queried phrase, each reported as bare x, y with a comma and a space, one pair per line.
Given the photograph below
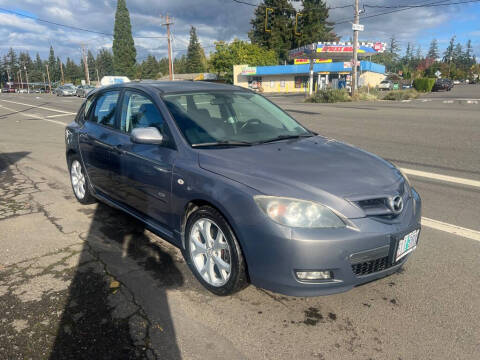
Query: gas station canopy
336, 50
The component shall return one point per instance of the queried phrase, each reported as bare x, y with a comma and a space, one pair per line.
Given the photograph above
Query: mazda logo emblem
395, 204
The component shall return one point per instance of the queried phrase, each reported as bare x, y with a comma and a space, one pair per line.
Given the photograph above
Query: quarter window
104, 113
138, 111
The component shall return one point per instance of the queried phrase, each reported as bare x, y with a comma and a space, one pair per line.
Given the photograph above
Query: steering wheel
250, 122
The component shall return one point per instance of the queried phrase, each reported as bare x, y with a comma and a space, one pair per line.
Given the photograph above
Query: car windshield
69, 87
230, 118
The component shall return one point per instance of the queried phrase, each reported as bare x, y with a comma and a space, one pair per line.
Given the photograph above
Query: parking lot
90, 282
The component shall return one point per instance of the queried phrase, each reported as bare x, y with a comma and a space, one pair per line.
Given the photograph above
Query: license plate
407, 244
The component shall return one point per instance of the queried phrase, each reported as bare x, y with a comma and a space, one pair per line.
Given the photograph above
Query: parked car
245, 191
22, 91
83, 90
65, 90
386, 85
8, 90
443, 84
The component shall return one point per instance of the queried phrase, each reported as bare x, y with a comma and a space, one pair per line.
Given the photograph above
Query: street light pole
356, 20
26, 77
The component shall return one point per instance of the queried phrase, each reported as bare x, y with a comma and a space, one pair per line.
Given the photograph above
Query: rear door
146, 168
99, 141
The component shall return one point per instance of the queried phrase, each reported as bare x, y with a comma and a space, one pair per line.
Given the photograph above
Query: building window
282, 83
272, 84
301, 82
255, 82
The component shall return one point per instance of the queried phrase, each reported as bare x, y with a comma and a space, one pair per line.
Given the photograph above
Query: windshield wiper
286, 137
222, 143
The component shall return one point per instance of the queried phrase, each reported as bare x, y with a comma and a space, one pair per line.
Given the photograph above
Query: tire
77, 177
223, 250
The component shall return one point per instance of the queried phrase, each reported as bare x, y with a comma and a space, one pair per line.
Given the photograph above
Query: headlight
298, 213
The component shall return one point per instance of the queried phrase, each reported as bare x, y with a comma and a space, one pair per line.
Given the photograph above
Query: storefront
294, 78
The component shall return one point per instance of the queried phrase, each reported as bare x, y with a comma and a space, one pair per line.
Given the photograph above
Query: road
89, 281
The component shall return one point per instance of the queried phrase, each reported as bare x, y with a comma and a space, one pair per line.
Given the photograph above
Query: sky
215, 20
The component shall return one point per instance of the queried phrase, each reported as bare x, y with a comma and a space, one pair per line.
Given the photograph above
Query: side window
138, 111
104, 113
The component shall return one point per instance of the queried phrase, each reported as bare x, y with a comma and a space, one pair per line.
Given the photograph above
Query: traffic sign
358, 27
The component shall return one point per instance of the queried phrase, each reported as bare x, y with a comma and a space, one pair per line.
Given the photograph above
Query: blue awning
333, 67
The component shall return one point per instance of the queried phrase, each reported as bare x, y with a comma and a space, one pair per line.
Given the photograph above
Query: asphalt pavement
90, 282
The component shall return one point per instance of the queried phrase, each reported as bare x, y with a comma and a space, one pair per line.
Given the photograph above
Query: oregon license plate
407, 244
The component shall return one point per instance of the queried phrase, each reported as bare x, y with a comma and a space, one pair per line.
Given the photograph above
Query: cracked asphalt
89, 282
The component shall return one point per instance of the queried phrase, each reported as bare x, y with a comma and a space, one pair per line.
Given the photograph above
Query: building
294, 78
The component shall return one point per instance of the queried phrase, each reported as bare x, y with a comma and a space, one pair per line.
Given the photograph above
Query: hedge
424, 84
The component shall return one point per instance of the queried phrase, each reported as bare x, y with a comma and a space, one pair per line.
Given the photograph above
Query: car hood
316, 168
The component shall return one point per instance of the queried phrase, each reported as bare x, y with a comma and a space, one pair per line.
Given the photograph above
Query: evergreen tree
179, 65
195, 55
433, 50
163, 66
281, 38
104, 63
73, 72
124, 52
458, 56
149, 68
315, 25
52, 64
92, 66
448, 55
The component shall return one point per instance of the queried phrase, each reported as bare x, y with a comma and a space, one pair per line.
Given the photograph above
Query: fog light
314, 275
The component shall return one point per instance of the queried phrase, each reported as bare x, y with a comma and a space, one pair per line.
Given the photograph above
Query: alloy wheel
78, 179
210, 252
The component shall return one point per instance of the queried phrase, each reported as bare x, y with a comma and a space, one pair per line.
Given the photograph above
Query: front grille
370, 267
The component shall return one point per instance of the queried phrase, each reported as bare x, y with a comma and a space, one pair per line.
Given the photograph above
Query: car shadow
122, 275
7, 159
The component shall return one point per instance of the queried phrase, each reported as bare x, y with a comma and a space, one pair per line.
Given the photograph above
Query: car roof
166, 87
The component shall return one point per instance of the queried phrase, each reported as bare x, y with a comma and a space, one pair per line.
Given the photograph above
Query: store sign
307, 61
347, 65
249, 70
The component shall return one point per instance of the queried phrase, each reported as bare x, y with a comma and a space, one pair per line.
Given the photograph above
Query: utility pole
48, 76
44, 83
20, 76
26, 77
170, 60
98, 78
87, 74
356, 20
61, 71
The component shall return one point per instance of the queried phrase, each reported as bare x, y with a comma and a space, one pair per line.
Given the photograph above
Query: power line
283, 8
417, 6
73, 27
426, 5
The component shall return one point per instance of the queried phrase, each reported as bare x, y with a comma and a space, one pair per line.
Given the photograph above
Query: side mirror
148, 135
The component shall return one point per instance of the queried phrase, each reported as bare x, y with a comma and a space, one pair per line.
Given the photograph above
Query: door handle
119, 149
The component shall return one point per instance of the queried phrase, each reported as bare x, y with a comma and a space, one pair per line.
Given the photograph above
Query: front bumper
278, 252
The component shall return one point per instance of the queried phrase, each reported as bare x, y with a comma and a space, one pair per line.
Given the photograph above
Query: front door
99, 144
146, 168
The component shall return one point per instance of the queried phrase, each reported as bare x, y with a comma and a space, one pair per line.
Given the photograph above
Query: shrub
330, 96
398, 95
424, 84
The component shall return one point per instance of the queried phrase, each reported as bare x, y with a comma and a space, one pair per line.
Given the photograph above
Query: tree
433, 50
124, 52
73, 72
149, 68
52, 65
195, 54
448, 55
104, 63
281, 37
239, 52
180, 65
315, 25
92, 66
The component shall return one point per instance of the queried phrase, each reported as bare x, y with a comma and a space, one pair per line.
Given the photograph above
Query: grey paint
142, 179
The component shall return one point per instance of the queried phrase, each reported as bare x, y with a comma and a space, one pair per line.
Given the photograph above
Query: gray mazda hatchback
247, 193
